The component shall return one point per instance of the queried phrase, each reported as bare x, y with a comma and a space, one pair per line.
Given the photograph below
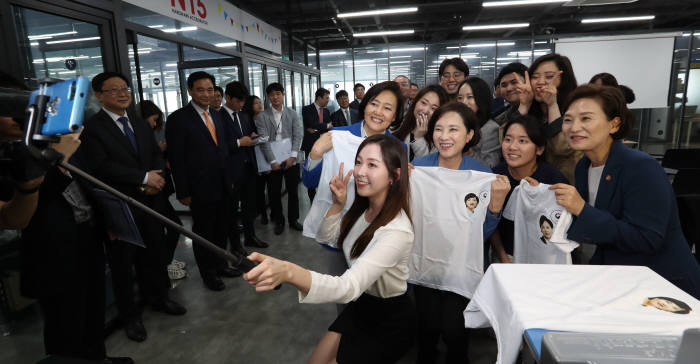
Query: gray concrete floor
236, 325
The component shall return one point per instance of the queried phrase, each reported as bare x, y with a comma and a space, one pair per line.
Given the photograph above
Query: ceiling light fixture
50, 35
489, 4
381, 33
495, 26
72, 40
226, 44
624, 18
378, 12
183, 29
338, 53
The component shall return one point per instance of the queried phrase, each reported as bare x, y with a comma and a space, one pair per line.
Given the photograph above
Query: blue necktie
129, 133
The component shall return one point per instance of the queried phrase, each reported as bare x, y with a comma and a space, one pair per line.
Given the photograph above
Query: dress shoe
169, 306
255, 242
279, 228
296, 226
117, 360
263, 219
135, 330
229, 272
214, 283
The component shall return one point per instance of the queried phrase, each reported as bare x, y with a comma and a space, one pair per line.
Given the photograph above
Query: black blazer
355, 105
635, 219
110, 156
242, 159
338, 117
311, 121
201, 169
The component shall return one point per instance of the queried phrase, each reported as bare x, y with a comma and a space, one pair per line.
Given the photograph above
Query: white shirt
449, 248
594, 175
381, 270
200, 112
346, 112
345, 146
278, 122
121, 127
235, 120
313, 163
526, 207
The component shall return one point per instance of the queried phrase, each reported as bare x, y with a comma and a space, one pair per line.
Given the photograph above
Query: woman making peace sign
376, 236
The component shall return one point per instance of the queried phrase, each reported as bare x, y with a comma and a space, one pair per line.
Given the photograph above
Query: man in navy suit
359, 92
317, 120
344, 115
243, 163
199, 145
120, 149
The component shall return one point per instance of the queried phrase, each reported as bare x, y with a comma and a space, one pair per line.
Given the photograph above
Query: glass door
223, 70
255, 80
157, 72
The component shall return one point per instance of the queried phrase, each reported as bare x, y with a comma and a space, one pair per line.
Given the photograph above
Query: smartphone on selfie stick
57, 108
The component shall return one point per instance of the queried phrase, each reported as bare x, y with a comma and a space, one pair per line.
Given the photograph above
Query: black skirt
375, 330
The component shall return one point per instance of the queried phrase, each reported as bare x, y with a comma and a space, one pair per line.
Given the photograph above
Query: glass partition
336, 71
371, 66
298, 97
408, 61
255, 80
158, 68
288, 91
435, 54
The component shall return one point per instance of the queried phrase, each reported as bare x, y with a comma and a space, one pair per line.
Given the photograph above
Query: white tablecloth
582, 298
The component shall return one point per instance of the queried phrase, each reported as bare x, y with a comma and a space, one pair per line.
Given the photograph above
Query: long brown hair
397, 199
409, 121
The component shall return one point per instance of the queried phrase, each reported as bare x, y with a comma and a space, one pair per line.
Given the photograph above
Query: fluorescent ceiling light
488, 4
183, 29
407, 49
380, 33
171, 65
34, 44
225, 44
72, 40
623, 18
542, 42
156, 26
400, 62
378, 12
50, 35
332, 53
483, 45
496, 26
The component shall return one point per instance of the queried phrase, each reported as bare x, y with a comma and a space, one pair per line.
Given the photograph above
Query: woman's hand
569, 198
531, 181
322, 145
499, 190
267, 275
339, 187
548, 94
525, 93
421, 126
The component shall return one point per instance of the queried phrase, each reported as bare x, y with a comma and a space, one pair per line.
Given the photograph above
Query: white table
582, 298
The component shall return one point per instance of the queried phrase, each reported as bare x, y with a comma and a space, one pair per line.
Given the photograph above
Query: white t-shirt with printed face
540, 226
449, 208
345, 146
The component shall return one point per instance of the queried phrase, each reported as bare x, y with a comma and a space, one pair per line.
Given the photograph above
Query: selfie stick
36, 114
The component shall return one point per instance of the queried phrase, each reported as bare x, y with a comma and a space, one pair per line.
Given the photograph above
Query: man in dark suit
243, 164
359, 91
344, 115
120, 149
199, 154
317, 120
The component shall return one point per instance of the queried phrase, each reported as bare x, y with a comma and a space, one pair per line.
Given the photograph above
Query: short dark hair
219, 90
611, 100
376, 90
471, 122
341, 93
356, 86
482, 96
148, 108
684, 306
544, 219
533, 127
457, 62
199, 75
237, 90
409, 121
320, 93
471, 195
629, 94
414, 84
516, 67
568, 79
100, 79
606, 78
275, 86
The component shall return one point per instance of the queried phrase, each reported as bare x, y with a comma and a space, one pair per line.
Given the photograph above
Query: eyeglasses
116, 91
454, 75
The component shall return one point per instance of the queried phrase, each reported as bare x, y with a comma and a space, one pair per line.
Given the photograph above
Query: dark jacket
310, 118
338, 117
242, 159
201, 169
635, 219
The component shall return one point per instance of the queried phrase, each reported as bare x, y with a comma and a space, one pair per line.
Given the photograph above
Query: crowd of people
535, 124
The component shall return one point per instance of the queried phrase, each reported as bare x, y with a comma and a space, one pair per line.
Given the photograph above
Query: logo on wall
156, 81
337, 85
189, 9
71, 64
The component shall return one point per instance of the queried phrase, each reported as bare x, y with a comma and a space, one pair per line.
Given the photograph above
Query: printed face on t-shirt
546, 229
667, 304
471, 201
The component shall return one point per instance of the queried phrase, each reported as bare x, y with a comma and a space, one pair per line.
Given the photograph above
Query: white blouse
381, 270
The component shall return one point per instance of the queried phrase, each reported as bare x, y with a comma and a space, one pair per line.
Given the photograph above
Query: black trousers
441, 314
172, 236
244, 193
263, 181
149, 262
211, 220
74, 319
291, 182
